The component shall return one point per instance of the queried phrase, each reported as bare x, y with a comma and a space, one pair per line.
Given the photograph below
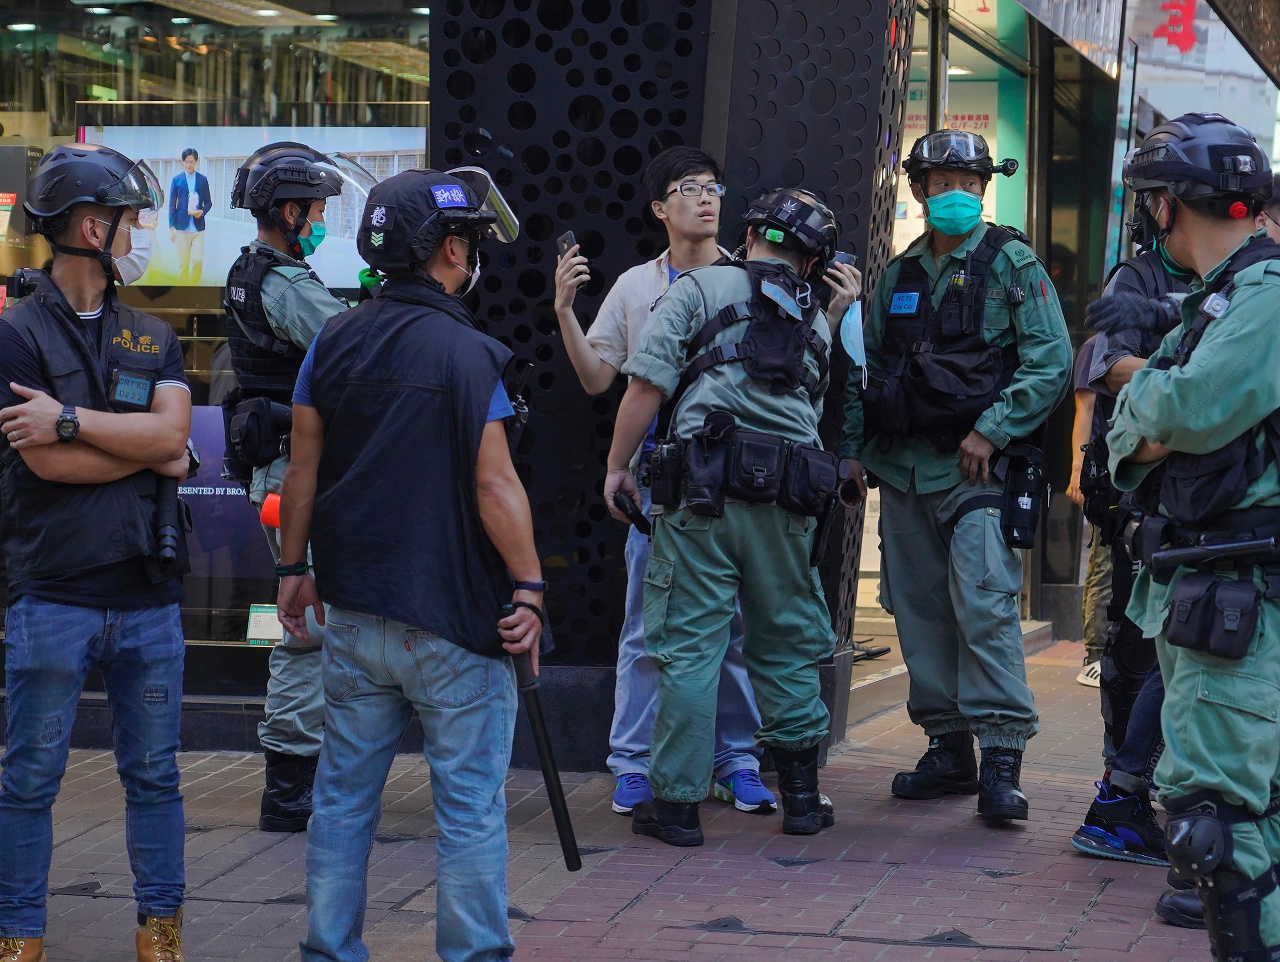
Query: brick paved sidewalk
893, 881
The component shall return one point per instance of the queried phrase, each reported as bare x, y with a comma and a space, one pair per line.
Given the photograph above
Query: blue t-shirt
499, 405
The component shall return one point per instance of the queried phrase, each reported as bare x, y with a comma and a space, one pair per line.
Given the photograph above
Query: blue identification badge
851, 337
904, 303
132, 390
449, 195
781, 298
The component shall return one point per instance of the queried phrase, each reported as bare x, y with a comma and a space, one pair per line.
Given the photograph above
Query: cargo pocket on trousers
658, 575
338, 661
1001, 566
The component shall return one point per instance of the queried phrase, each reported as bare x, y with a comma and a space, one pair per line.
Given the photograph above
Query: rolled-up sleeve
660, 357
1043, 377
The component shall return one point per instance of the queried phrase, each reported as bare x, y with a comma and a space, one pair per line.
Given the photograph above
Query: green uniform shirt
1042, 379
1230, 383
660, 359
297, 305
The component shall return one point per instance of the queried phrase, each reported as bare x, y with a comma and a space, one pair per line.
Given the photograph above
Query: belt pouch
1214, 616
706, 457
884, 406
808, 480
755, 467
665, 467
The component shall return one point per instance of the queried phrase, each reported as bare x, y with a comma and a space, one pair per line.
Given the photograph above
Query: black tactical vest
939, 373
52, 529
1198, 488
403, 383
265, 366
779, 334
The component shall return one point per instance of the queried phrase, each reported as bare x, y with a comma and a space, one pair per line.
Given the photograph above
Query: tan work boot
15, 949
160, 940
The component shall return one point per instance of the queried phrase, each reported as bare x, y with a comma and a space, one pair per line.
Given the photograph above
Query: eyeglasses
695, 190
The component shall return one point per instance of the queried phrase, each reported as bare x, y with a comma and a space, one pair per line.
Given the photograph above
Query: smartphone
566, 242
633, 513
843, 258
825, 292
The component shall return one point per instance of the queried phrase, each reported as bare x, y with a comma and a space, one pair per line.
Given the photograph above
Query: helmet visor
138, 189
351, 179
507, 226
959, 143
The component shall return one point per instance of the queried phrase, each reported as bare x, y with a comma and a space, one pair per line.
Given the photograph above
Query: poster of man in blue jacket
189, 201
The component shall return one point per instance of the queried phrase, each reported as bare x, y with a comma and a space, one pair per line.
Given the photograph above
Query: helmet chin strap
103, 256
290, 231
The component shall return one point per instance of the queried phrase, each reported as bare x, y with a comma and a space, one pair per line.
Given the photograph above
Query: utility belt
722, 461
1214, 608
255, 432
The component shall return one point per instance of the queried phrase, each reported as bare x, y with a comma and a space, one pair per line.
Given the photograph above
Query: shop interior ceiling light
956, 70
241, 13
385, 56
22, 27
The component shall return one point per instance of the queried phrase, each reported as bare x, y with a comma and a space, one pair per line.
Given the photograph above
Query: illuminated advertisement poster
198, 235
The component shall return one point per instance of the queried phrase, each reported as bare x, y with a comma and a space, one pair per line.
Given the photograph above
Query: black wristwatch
539, 586
68, 425
290, 571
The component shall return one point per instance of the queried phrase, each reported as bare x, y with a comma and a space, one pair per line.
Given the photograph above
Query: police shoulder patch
380, 217
1020, 255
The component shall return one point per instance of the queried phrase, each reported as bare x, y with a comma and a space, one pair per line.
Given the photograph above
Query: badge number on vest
449, 195
781, 298
904, 303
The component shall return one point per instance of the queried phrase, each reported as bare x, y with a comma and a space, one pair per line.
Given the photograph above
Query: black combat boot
1181, 905
286, 802
805, 810
999, 792
947, 768
675, 823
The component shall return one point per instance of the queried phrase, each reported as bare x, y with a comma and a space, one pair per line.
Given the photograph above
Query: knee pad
1197, 845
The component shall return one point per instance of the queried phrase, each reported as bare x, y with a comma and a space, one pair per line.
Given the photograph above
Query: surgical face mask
955, 213
472, 279
133, 265
312, 240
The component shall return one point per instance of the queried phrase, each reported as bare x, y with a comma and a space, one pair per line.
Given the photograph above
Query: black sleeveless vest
402, 383
52, 529
265, 366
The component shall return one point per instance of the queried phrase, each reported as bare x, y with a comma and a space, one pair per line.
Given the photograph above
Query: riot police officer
93, 435
1205, 408
739, 354
275, 307
967, 354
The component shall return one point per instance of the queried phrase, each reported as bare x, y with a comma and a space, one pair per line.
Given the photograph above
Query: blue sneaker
1122, 827
630, 789
747, 793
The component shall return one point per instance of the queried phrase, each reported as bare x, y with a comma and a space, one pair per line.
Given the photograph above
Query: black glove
1126, 311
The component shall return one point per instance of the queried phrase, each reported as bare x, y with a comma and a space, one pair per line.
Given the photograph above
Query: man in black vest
93, 435
276, 306
421, 534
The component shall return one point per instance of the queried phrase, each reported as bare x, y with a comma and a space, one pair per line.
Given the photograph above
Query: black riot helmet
797, 221
1204, 160
406, 217
72, 174
282, 172
954, 150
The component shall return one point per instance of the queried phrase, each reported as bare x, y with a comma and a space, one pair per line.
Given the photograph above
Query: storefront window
216, 80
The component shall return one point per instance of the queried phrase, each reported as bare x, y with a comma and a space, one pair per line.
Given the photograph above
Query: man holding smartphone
684, 192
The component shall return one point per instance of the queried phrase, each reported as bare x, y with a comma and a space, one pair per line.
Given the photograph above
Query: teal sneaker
744, 790
629, 791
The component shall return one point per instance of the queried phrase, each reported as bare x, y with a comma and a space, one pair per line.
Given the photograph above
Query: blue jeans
1143, 740
635, 693
376, 671
49, 650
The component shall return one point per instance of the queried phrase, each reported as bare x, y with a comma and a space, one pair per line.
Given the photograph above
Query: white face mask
133, 265
472, 279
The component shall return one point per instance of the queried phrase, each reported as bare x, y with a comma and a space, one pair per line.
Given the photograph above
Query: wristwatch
68, 425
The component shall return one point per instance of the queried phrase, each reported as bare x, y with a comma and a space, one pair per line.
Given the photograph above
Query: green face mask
313, 240
955, 213
1172, 266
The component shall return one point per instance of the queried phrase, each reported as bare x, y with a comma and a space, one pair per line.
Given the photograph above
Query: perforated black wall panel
565, 103
818, 101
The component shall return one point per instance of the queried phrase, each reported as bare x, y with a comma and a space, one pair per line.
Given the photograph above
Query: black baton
527, 684
167, 522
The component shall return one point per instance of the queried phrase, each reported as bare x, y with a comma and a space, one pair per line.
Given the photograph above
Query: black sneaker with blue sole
1121, 827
